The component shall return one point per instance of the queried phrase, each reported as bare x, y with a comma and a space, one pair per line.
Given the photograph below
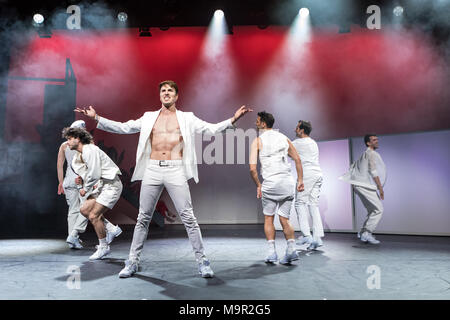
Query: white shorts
270, 207
279, 193
108, 192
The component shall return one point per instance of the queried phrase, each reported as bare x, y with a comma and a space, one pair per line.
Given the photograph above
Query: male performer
277, 189
308, 200
96, 169
165, 158
364, 175
67, 185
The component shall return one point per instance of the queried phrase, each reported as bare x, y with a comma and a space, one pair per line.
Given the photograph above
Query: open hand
240, 112
90, 112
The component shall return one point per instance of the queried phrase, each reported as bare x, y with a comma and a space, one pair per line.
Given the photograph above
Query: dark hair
267, 118
306, 126
367, 138
79, 133
171, 83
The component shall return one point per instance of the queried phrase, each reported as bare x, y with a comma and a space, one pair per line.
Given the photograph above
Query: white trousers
75, 220
307, 204
372, 202
173, 178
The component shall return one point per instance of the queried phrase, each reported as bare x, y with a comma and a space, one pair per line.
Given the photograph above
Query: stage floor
409, 267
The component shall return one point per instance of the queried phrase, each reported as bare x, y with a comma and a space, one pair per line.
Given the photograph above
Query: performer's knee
189, 220
84, 211
94, 217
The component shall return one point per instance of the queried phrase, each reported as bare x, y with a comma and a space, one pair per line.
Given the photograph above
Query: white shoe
131, 267
271, 258
74, 242
304, 240
204, 268
289, 257
101, 252
113, 234
368, 237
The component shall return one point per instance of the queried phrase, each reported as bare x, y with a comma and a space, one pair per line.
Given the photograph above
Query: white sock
103, 242
290, 246
271, 244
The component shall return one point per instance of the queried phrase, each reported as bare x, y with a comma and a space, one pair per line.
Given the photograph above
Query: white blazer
363, 170
189, 126
92, 165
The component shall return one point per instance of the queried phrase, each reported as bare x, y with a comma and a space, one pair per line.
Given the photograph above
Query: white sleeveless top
273, 154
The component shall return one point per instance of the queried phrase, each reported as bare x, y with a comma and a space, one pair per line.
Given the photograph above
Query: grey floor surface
401, 267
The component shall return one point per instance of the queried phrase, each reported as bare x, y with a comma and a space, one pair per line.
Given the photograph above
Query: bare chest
166, 125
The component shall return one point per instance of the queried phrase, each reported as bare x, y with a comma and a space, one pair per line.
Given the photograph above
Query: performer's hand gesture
60, 189
78, 180
300, 186
239, 113
258, 192
381, 193
90, 112
82, 192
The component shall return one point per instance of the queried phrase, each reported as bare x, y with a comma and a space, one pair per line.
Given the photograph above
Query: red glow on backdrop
366, 80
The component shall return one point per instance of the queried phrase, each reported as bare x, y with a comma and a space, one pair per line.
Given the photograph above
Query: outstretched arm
254, 149
204, 127
129, 127
292, 152
60, 167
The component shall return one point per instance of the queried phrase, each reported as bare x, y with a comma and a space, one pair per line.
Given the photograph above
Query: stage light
38, 18
398, 11
122, 16
218, 14
303, 12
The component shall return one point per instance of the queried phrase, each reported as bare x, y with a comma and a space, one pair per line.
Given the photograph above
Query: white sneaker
304, 240
131, 267
272, 257
204, 269
289, 257
74, 242
101, 252
368, 237
113, 234
315, 244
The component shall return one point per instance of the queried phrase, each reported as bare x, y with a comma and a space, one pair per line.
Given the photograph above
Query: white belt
166, 163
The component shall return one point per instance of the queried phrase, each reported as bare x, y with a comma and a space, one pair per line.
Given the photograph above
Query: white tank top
273, 154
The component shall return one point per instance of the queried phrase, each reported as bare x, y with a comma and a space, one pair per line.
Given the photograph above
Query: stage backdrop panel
417, 186
335, 200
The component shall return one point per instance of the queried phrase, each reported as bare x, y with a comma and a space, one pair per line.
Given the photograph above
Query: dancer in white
101, 183
277, 190
76, 222
165, 158
368, 174
307, 202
